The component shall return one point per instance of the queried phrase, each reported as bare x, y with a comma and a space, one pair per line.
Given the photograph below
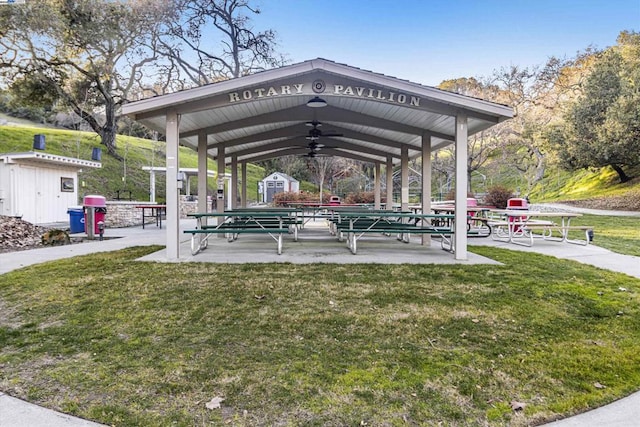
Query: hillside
114, 176
593, 189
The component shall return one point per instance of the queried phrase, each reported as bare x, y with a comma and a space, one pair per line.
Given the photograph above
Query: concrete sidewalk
17, 413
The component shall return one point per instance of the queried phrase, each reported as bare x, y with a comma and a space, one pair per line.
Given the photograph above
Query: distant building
277, 182
39, 187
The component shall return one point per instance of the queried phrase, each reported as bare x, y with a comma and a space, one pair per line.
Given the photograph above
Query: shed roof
265, 115
40, 158
281, 174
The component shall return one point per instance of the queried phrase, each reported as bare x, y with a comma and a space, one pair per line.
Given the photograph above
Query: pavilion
372, 117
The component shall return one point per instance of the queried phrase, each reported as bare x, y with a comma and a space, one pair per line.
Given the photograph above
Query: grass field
616, 233
129, 343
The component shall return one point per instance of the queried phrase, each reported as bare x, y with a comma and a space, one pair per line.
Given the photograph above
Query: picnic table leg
195, 247
353, 239
279, 243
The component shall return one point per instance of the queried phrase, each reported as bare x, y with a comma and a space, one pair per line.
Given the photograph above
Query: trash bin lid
95, 201
74, 208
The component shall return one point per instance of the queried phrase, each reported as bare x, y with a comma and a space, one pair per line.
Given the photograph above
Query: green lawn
616, 233
129, 343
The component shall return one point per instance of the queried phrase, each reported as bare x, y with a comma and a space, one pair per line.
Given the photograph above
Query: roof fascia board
439, 95
51, 159
200, 98
142, 108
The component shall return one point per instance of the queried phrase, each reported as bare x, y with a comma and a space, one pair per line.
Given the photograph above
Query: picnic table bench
402, 224
275, 223
529, 225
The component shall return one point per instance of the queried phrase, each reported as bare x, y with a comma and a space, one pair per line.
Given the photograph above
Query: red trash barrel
517, 204
99, 206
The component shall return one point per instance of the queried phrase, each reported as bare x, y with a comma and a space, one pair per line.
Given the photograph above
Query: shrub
281, 199
497, 196
359, 197
451, 195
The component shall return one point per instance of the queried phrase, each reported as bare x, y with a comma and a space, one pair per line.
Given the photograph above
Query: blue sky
427, 41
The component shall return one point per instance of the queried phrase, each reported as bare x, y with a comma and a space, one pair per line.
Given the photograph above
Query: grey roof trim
46, 158
174, 100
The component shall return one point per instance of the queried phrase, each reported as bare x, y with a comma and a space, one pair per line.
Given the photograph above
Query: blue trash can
76, 219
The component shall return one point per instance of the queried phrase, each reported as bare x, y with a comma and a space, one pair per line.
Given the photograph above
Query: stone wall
125, 214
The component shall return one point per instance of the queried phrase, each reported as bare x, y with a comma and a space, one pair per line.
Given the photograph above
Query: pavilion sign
339, 90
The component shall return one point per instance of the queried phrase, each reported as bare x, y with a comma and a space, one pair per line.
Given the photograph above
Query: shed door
25, 197
271, 190
38, 195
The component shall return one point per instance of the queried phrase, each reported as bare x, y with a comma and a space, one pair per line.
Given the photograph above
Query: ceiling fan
313, 155
315, 133
314, 150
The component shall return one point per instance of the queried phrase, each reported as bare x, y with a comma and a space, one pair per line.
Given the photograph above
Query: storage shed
39, 187
278, 182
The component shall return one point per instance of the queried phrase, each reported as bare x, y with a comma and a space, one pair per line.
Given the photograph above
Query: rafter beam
328, 114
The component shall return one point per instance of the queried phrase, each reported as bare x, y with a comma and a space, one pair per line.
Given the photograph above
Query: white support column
203, 176
152, 186
426, 181
172, 196
404, 186
220, 181
461, 187
234, 182
243, 176
376, 187
187, 191
389, 171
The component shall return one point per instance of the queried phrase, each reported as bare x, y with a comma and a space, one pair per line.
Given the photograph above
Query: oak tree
84, 54
603, 125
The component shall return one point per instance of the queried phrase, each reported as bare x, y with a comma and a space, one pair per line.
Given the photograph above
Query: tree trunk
109, 141
108, 132
623, 176
540, 164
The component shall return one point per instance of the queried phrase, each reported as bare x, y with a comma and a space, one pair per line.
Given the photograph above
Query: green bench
274, 222
232, 234
402, 230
